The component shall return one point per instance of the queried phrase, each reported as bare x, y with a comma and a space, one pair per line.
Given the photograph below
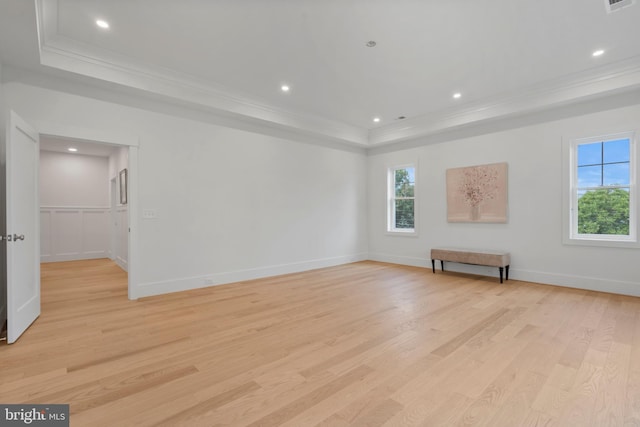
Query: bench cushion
472, 256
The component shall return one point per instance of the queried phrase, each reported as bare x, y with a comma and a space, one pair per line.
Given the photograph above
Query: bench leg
442, 265
433, 265
501, 270
507, 272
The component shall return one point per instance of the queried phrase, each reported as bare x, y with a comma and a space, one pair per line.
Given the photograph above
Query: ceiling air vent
615, 5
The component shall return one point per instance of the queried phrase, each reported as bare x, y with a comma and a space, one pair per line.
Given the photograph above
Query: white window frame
391, 205
570, 195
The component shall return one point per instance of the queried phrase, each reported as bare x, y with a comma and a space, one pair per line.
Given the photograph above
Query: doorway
127, 145
83, 216
21, 158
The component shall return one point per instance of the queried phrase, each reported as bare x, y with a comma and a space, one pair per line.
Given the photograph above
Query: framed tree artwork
477, 193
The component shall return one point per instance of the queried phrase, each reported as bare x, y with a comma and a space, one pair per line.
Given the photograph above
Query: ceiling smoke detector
615, 5
371, 43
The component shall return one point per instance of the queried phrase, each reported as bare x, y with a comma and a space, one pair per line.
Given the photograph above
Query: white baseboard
215, 279
579, 282
395, 259
73, 257
122, 263
570, 281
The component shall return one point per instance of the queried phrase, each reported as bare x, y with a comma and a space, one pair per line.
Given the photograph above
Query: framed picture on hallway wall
123, 187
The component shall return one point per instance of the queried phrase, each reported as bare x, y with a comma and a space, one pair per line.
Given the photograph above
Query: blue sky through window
603, 163
412, 174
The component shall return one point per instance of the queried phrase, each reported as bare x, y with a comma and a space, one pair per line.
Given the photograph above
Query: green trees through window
402, 187
405, 202
604, 211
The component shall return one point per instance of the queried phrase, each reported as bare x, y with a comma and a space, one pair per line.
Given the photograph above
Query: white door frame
113, 235
112, 138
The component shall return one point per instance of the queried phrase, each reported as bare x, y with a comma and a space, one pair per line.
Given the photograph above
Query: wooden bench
472, 256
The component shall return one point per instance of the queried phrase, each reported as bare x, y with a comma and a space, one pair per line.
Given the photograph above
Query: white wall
74, 207
73, 180
117, 161
231, 205
533, 233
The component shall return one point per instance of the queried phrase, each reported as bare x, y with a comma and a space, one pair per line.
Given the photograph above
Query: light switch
149, 214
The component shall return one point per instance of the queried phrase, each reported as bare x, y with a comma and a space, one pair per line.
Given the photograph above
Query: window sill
605, 243
412, 233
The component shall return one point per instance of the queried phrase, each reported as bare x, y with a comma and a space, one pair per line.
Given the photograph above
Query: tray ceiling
233, 56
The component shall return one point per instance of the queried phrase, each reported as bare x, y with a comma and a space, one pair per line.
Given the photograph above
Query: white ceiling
86, 148
504, 57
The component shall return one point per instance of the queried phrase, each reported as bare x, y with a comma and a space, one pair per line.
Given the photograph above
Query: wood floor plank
379, 414
365, 344
450, 346
632, 398
200, 410
296, 407
610, 402
400, 375
515, 408
449, 411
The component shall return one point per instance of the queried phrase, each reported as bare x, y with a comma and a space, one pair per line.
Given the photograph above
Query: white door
23, 228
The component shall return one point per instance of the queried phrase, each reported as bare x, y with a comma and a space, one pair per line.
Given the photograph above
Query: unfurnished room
320, 213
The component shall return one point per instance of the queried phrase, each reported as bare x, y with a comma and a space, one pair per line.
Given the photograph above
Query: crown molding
72, 56
69, 55
578, 87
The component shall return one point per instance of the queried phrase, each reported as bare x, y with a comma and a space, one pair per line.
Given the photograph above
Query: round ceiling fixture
285, 88
72, 149
102, 23
598, 52
457, 95
376, 119
371, 43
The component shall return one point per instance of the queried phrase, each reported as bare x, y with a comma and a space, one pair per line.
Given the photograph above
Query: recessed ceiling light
285, 88
102, 23
598, 52
371, 43
73, 150
457, 95
376, 119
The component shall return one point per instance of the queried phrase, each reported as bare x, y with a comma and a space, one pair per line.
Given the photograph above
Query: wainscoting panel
73, 233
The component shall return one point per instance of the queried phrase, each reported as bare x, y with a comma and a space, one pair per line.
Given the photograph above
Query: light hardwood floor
364, 344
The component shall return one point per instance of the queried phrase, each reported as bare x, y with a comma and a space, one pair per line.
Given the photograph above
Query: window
603, 189
402, 201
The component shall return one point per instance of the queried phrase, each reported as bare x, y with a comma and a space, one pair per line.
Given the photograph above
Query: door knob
16, 237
